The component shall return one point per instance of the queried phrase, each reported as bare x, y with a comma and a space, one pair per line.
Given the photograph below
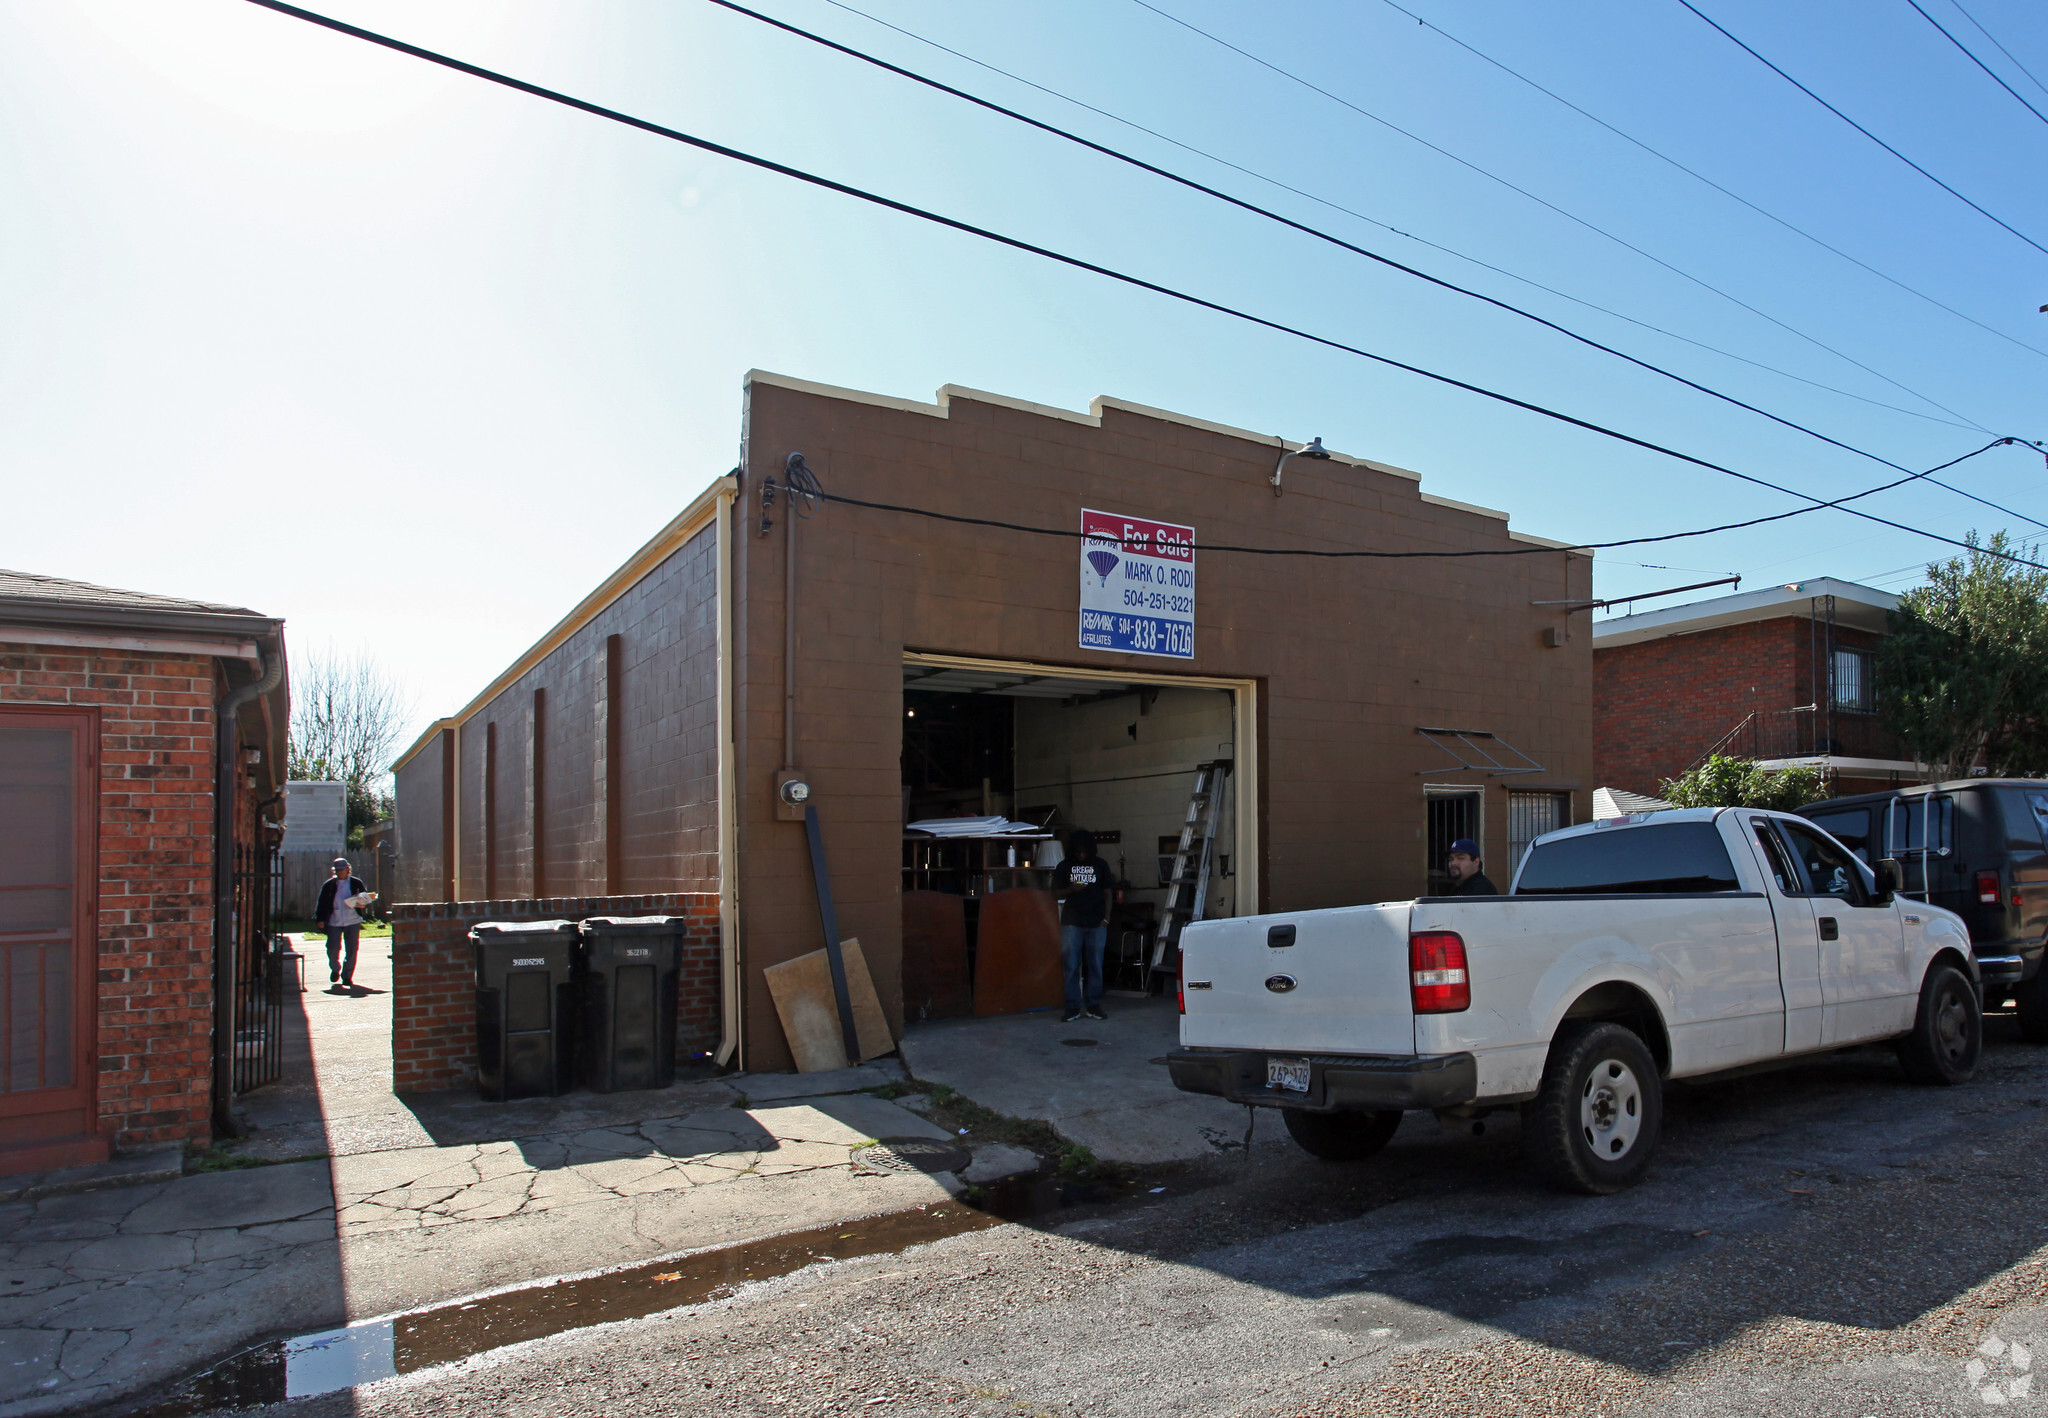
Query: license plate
1290, 1074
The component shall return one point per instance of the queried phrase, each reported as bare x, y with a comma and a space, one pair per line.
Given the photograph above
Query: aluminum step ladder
1187, 889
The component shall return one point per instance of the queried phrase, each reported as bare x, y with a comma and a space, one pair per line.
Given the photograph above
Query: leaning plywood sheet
804, 1001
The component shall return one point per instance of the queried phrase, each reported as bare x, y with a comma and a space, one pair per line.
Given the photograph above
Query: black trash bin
626, 1031
525, 1007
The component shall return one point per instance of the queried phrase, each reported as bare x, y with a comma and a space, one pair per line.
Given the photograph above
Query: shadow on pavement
1834, 1193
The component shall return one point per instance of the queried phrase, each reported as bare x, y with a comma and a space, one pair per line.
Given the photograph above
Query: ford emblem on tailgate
1281, 984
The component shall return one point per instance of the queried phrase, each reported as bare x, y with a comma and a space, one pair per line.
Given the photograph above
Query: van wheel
1948, 1030
1340, 1137
1597, 1116
2032, 1001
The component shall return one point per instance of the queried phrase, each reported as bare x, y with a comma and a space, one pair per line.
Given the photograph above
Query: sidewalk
1103, 1084
406, 1203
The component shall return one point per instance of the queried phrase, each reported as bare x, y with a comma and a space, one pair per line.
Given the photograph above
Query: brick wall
155, 888
1658, 705
433, 977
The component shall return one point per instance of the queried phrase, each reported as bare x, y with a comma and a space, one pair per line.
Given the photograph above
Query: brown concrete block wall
668, 774
156, 891
433, 977
1350, 656
417, 786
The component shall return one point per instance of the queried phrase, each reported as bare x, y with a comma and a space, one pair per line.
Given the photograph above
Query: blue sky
295, 323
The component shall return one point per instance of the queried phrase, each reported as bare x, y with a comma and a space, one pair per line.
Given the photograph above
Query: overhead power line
1999, 47
1861, 129
1406, 235
1679, 271
1289, 222
1138, 282
1699, 176
1975, 60
1350, 555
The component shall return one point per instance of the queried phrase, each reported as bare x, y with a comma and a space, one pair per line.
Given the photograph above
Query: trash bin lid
482, 929
634, 925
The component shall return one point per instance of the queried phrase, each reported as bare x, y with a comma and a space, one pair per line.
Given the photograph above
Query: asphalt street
1824, 1240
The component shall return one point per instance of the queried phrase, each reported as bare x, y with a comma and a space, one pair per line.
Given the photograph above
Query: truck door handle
1279, 936
1828, 929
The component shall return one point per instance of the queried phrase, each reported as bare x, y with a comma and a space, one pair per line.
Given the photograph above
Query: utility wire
1975, 60
1452, 252
1860, 129
1726, 192
1569, 216
1138, 282
1289, 222
1999, 47
1211, 547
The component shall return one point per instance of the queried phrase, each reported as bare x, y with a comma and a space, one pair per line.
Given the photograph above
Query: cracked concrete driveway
102, 1290
417, 1200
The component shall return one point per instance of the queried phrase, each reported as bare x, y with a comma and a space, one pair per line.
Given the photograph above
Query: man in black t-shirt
1081, 884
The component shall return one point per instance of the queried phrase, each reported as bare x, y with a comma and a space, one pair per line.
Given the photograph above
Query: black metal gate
259, 972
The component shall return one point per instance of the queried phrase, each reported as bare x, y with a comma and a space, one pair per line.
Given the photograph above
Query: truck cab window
1680, 858
1780, 864
1850, 827
1827, 869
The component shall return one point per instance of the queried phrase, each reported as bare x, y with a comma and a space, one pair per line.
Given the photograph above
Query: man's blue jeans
1081, 953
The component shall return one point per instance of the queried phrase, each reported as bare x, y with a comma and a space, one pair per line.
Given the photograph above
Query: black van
1977, 848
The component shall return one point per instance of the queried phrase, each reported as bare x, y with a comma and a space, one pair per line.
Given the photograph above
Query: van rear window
1675, 857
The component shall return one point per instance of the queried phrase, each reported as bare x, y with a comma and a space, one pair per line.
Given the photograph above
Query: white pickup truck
1658, 946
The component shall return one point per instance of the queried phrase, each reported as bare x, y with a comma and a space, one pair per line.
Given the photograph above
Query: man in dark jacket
1461, 864
1081, 884
342, 921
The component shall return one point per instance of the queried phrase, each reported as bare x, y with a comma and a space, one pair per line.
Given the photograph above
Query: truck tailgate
1329, 981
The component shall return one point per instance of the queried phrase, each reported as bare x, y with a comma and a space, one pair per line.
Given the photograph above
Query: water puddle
375, 1349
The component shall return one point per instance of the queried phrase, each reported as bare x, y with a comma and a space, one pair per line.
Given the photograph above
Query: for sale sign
1137, 585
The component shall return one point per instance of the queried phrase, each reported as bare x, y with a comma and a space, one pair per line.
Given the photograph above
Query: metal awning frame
1473, 744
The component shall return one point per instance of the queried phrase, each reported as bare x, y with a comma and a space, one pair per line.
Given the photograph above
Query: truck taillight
1987, 888
1437, 978
1180, 980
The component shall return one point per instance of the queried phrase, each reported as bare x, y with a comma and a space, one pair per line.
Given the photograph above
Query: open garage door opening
1003, 764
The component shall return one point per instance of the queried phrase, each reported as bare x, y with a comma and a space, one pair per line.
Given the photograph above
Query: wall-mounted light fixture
1314, 450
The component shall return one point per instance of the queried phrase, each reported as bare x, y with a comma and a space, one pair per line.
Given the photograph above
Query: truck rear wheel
1597, 1116
1948, 1030
1340, 1137
2031, 1003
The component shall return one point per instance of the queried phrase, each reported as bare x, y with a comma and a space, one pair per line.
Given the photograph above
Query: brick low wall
433, 990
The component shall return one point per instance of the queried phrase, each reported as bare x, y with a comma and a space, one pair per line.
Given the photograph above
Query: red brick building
927, 649
1783, 675
142, 741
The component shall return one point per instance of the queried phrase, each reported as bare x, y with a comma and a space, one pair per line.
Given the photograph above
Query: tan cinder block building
934, 666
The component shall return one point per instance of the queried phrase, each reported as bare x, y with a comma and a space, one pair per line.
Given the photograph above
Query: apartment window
1852, 681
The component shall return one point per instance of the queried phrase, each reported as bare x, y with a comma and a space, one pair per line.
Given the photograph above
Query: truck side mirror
1891, 878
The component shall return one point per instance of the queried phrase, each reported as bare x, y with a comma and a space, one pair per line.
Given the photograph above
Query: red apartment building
1784, 675
142, 742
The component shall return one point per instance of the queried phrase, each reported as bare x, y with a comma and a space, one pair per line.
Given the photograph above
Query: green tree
1963, 676
1740, 782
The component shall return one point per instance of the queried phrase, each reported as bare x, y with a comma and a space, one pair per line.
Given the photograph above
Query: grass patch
372, 930
954, 1111
215, 1159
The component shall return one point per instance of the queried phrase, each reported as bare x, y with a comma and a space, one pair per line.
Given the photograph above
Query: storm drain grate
913, 1154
